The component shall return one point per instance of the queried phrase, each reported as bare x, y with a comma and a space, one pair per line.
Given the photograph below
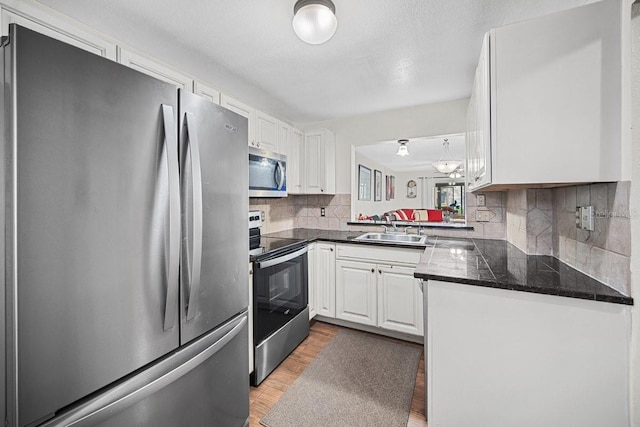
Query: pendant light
402, 149
314, 21
446, 164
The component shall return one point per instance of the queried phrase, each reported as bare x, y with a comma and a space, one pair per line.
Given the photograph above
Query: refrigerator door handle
193, 274
154, 379
171, 145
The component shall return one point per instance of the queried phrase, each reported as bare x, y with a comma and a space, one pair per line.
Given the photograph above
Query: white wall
412, 122
635, 223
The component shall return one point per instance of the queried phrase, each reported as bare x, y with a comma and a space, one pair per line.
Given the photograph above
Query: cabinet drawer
386, 254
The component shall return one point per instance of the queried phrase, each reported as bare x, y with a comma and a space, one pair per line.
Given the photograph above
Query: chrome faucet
386, 230
406, 229
395, 227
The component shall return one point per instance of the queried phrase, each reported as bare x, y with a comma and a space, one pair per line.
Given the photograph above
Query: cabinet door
478, 138
267, 129
356, 292
482, 145
35, 19
326, 279
556, 85
208, 92
155, 69
314, 171
295, 161
313, 280
399, 300
242, 109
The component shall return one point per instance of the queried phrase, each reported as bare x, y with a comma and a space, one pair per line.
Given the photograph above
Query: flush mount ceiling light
402, 149
314, 21
446, 164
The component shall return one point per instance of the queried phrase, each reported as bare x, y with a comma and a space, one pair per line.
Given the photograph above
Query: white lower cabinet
325, 279
356, 296
400, 303
376, 287
313, 280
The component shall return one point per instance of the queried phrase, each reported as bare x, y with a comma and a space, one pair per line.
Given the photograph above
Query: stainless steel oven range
280, 299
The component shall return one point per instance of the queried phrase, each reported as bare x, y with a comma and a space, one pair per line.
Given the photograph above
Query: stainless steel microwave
267, 174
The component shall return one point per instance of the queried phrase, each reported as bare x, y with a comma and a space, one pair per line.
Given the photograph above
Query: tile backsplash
543, 222
605, 252
537, 221
303, 211
529, 220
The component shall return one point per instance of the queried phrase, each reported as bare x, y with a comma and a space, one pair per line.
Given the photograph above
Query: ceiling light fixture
314, 21
456, 174
445, 164
402, 149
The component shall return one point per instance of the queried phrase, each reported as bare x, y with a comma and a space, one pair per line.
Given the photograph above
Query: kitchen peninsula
531, 331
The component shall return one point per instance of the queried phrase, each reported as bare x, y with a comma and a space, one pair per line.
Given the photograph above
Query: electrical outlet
585, 218
483, 215
321, 211
480, 198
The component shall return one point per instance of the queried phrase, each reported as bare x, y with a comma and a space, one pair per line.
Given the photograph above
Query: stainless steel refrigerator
126, 258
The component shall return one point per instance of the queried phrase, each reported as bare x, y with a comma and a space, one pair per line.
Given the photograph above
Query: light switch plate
481, 200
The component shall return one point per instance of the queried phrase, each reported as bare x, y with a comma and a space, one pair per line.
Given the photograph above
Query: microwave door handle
284, 258
173, 259
193, 274
279, 173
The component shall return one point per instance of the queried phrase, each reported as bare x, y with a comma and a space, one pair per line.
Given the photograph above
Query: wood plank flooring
263, 397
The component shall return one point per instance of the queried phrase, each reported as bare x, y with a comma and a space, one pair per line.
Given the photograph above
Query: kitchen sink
400, 238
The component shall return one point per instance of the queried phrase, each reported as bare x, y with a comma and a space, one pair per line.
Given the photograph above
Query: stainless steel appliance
124, 303
280, 298
267, 174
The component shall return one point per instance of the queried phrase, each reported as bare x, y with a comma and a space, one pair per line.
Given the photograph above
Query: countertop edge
624, 300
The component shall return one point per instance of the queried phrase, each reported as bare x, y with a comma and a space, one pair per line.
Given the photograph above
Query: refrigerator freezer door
93, 223
215, 199
196, 386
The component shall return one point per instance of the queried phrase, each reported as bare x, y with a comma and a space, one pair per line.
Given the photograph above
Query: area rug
358, 379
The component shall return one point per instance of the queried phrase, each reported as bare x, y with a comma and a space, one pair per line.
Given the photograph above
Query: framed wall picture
393, 187
364, 183
377, 186
387, 182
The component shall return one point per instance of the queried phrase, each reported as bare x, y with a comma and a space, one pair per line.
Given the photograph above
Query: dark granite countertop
499, 264
480, 262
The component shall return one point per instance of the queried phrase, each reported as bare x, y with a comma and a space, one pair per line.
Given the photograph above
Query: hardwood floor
262, 398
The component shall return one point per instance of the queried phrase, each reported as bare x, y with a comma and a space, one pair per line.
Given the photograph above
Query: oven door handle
283, 258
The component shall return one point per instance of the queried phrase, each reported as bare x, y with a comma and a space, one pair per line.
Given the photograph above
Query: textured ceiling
423, 152
385, 54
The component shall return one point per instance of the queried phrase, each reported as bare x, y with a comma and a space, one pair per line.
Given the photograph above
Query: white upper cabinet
547, 101
55, 27
478, 140
320, 162
295, 162
242, 109
267, 129
205, 91
155, 69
